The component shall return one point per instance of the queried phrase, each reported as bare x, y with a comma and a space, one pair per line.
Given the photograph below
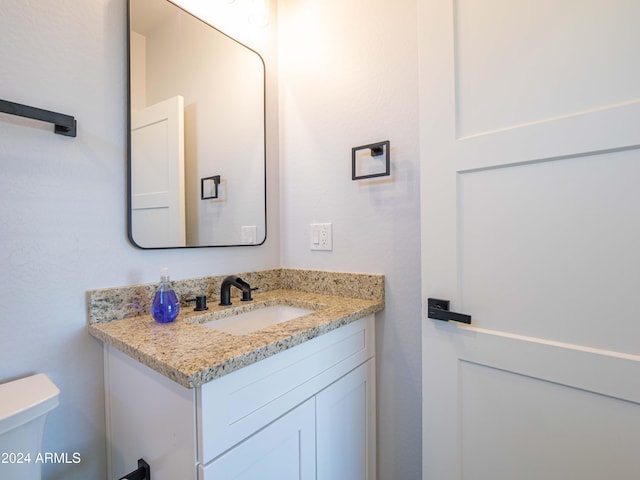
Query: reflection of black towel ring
215, 180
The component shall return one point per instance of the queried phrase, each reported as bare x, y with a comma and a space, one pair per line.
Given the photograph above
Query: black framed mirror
196, 112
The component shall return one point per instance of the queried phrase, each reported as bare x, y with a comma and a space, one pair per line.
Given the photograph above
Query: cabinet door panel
345, 417
284, 450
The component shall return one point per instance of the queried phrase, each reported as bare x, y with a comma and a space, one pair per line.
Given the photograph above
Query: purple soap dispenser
165, 307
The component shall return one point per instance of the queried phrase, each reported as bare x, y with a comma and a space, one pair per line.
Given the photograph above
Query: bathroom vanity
290, 400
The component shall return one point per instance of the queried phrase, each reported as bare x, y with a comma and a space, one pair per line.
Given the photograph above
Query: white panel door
157, 175
530, 130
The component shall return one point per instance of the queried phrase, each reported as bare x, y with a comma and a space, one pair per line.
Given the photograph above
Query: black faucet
201, 303
225, 291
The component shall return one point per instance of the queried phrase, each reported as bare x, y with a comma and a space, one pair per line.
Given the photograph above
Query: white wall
348, 73
63, 209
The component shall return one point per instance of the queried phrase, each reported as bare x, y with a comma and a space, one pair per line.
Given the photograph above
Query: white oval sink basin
258, 319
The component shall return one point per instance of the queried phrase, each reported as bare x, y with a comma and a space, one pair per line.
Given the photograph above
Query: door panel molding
558, 138
526, 428
519, 63
604, 372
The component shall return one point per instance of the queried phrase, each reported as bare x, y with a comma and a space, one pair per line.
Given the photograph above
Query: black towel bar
64, 124
142, 473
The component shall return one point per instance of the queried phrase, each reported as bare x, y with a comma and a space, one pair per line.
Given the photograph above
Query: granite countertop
192, 354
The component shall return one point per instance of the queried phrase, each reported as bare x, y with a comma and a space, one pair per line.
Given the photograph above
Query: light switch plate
321, 236
249, 234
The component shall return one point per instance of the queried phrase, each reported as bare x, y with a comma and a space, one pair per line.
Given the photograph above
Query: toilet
24, 405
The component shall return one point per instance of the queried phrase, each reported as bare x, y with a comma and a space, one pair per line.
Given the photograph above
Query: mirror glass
197, 133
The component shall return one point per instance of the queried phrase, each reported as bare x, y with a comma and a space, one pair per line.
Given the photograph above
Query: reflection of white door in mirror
172, 52
157, 176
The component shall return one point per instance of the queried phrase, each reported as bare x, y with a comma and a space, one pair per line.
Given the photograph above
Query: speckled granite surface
192, 354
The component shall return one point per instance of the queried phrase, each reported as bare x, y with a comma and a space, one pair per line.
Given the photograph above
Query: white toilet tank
24, 405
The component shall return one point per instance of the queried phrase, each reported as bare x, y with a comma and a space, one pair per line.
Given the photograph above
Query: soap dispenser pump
165, 307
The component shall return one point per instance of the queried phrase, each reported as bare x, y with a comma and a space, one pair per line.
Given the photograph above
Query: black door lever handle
439, 310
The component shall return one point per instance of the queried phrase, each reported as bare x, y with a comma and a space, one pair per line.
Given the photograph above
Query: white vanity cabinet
305, 413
